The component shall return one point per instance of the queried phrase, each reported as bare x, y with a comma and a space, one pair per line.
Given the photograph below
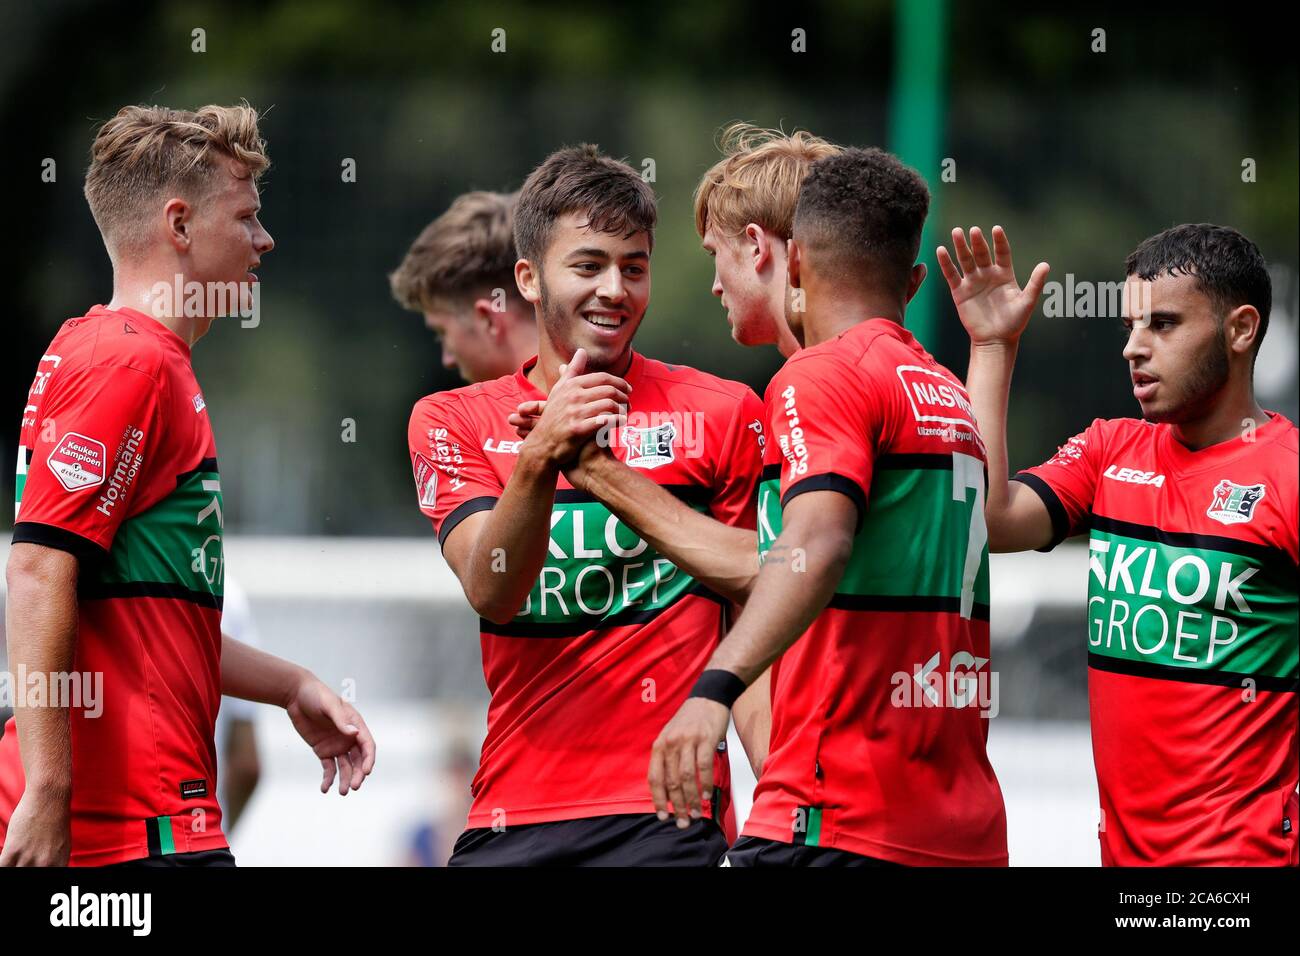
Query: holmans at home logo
1234, 503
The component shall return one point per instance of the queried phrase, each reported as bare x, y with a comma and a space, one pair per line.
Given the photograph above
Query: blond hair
145, 151
757, 180
468, 249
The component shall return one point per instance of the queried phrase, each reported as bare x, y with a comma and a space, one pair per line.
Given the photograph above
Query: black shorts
753, 851
637, 839
198, 858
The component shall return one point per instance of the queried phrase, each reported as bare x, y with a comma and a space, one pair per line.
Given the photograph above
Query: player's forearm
719, 556
988, 382
795, 583
41, 630
252, 674
510, 549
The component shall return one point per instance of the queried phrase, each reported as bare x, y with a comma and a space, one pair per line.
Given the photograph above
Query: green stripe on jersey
596, 568
177, 542
166, 843
923, 535
1196, 608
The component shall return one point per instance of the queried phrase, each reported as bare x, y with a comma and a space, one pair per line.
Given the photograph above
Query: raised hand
990, 303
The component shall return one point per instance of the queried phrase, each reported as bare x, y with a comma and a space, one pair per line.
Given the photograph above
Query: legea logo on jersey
649, 447
1234, 503
426, 481
78, 462
1135, 476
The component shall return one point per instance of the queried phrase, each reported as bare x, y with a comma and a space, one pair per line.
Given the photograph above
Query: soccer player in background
460, 274
1191, 513
744, 210
873, 589
116, 566
589, 636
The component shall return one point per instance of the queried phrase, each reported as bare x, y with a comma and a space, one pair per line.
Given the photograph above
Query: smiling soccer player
589, 636
1191, 513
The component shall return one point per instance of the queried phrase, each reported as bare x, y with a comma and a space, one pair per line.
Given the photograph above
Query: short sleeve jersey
117, 465
1192, 636
880, 710
613, 635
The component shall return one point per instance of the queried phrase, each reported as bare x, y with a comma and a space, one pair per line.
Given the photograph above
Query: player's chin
1160, 413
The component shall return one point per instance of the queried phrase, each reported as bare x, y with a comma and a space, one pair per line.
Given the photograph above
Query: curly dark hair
860, 216
1228, 267
614, 197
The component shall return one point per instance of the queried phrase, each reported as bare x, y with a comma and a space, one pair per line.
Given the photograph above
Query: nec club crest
649, 447
78, 462
1234, 503
426, 481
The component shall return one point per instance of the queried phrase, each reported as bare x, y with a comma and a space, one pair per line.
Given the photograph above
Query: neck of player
550, 357
143, 296
833, 309
1230, 415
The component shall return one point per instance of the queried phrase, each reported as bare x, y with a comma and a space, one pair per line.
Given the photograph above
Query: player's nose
448, 358
263, 242
1135, 346
612, 287
717, 284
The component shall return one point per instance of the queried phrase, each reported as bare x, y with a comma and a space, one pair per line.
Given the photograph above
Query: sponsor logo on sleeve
426, 481
650, 447
78, 462
199, 404
1233, 503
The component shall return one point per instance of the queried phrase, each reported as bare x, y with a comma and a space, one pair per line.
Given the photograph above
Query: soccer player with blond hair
115, 577
460, 274
744, 212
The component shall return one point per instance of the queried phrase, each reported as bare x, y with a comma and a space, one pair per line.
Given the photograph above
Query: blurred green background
1079, 154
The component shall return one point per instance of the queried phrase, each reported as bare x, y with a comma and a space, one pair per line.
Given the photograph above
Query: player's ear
527, 279
915, 279
489, 319
1241, 329
793, 261
177, 213
760, 246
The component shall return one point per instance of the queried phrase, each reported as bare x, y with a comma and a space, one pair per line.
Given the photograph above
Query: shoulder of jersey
468, 396
837, 354
110, 341
673, 376
1290, 437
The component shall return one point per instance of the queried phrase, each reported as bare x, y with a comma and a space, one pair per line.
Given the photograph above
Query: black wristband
719, 685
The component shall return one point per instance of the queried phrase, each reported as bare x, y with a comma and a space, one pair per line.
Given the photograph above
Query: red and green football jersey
880, 710
613, 635
117, 465
1192, 637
